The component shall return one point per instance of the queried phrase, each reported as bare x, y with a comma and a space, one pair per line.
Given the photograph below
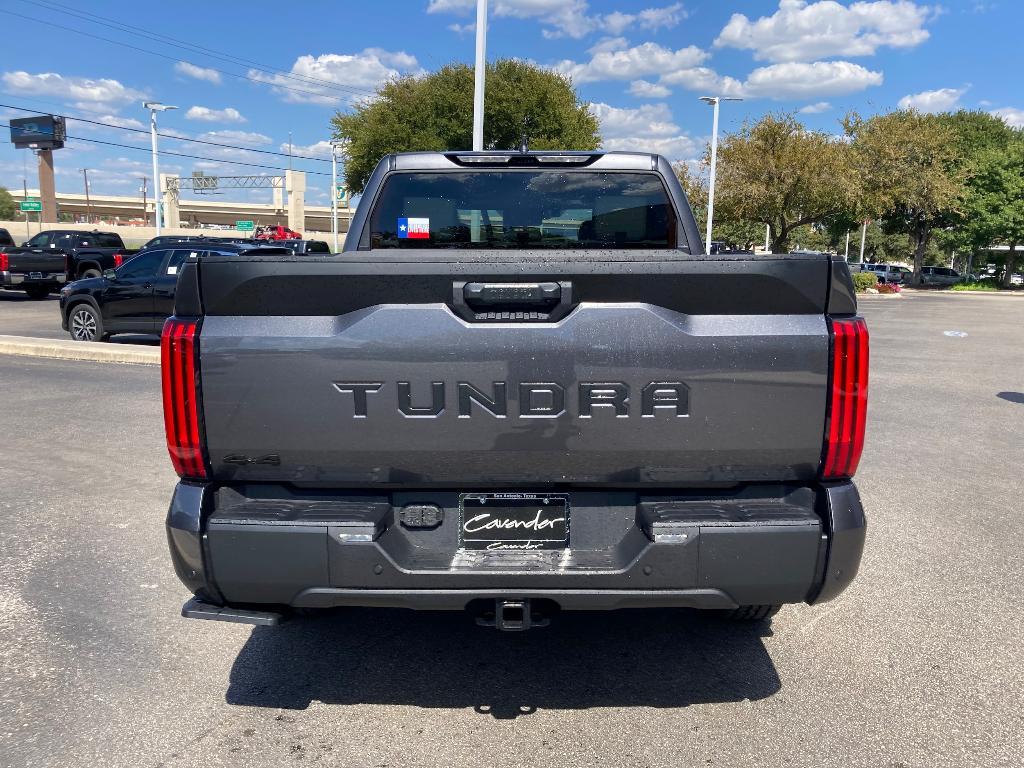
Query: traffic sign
245, 226
340, 194
30, 205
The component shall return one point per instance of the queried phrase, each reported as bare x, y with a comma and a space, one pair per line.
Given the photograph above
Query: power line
318, 94
176, 138
191, 47
181, 154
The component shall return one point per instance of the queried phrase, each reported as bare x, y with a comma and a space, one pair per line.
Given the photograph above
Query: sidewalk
60, 349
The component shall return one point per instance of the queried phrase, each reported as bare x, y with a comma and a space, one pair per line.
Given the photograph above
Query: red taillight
118, 259
5, 262
179, 356
848, 399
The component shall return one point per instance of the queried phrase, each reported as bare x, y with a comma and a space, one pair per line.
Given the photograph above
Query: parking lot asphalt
918, 664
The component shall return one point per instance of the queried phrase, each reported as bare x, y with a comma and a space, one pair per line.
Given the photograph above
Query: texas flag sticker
414, 229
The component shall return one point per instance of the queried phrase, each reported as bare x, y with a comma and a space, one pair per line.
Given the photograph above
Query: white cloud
672, 147
802, 31
463, 29
569, 18
704, 79
648, 128
364, 71
799, 80
84, 92
643, 89
1012, 116
197, 73
940, 100
631, 63
645, 120
118, 120
237, 137
317, 149
206, 114
815, 109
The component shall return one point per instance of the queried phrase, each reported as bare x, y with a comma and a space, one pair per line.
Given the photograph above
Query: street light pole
154, 107
714, 101
334, 193
479, 75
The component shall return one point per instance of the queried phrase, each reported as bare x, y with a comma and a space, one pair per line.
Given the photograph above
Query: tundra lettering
537, 400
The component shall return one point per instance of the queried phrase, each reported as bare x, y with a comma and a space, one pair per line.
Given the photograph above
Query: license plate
514, 521
35, 275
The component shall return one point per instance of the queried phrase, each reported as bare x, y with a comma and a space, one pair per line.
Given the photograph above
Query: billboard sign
40, 132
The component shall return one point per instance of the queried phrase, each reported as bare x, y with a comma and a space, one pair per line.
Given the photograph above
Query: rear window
109, 241
523, 210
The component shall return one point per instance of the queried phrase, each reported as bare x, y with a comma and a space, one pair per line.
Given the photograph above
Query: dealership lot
919, 663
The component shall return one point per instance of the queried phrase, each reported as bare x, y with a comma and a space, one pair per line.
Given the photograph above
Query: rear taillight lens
5, 262
848, 399
118, 259
179, 361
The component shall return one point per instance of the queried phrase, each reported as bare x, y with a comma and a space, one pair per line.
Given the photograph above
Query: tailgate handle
512, 302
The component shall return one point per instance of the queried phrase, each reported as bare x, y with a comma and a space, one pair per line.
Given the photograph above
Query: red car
276, 232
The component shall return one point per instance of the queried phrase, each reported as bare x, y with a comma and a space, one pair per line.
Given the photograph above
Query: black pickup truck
524, 388
54, 257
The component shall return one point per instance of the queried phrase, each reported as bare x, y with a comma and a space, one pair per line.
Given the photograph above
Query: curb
25, 346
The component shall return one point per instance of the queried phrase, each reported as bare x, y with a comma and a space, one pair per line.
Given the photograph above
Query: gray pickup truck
523, 387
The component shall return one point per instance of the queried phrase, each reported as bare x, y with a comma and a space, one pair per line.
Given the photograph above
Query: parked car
172, 239
304, 246
54, 257
137, 296
276, 232
888, 273
508, 418
940, 276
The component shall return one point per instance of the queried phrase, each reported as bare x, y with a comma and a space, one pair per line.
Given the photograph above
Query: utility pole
714, 101
847, 254
88, 202
479, 75
863, 234
154, 107
145, 207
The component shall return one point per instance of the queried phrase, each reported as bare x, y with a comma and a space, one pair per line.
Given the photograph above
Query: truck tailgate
27, 261
674, 371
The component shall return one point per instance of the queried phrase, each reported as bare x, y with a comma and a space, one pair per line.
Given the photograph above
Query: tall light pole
714, 101
479, 75
154, 107
335, 146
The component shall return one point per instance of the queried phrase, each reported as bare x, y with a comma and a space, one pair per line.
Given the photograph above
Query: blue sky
248, 74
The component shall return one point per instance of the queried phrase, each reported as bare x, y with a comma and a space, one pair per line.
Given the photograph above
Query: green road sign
31, 205
245, 226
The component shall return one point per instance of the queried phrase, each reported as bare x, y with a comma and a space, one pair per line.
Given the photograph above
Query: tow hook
512, 616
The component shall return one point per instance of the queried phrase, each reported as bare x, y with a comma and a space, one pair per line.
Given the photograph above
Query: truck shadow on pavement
655, 658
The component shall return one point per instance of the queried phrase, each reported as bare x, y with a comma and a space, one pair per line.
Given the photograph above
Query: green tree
994, 205
435, 112
735, 233
7, 205
777, 173
909, 166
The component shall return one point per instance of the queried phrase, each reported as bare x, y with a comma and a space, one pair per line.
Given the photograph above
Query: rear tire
753, 612
85, 323
87, 273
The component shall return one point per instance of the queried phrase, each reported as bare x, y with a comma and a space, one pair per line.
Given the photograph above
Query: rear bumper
19, 279
665, 553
